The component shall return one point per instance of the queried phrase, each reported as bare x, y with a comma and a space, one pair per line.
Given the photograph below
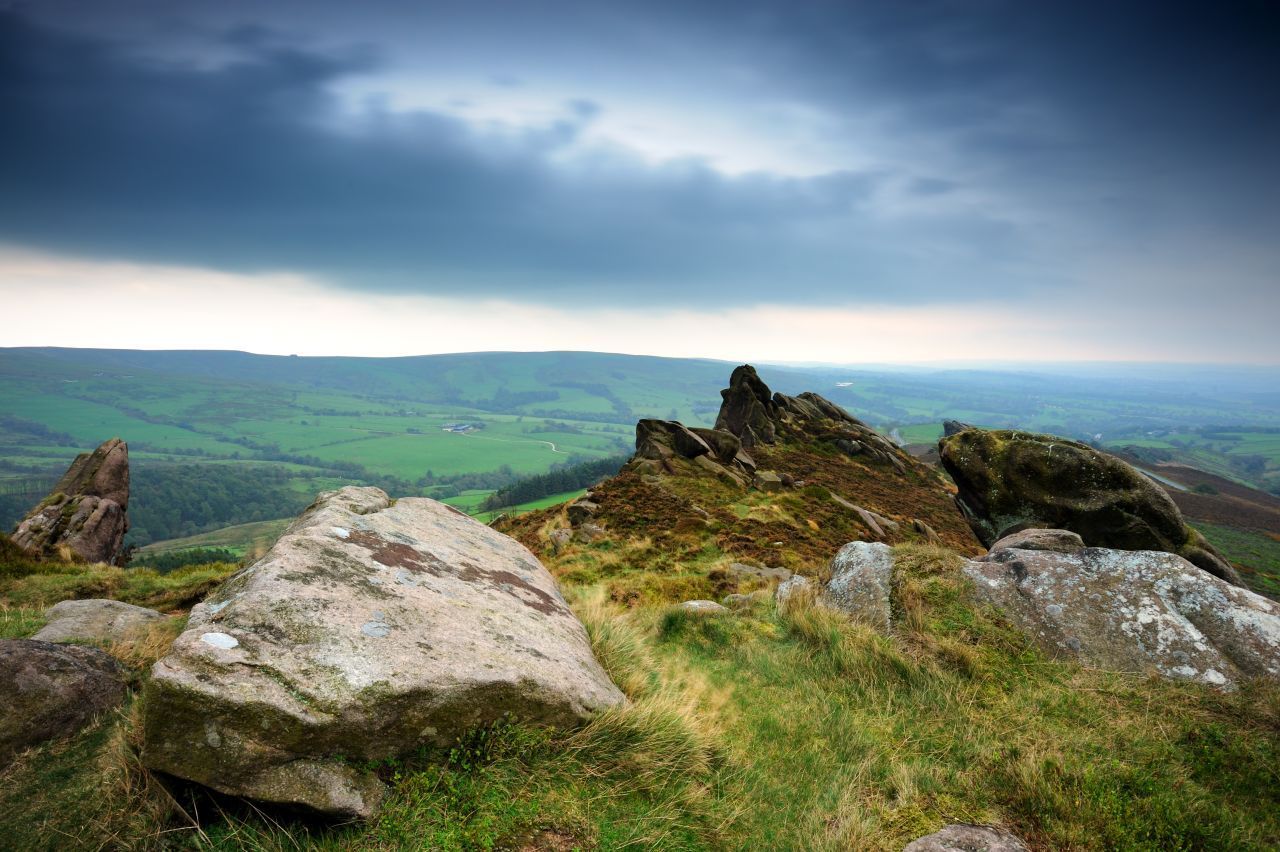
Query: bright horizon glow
119, 305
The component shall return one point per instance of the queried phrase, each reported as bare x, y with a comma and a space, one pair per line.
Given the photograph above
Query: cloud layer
685, 155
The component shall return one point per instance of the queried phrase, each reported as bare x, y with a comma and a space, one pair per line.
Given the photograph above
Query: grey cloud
240, 166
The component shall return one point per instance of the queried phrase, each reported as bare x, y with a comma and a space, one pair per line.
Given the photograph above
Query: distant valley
222, 439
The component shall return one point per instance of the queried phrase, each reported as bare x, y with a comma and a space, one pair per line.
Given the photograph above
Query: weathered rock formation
953, 427
52, 691
756, 416
87, 511
658, 442
1146, 611
373, 627
965, 837
747, 409
1010, 481
94, 621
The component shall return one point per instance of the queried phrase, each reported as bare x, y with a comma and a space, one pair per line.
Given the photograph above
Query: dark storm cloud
1025, 135
242, 166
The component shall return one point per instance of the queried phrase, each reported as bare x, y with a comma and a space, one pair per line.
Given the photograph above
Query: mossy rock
1010, 481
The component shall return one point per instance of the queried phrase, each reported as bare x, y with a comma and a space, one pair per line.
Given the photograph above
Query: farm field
221, 439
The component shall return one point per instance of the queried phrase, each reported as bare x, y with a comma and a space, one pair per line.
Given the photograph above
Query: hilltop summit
781, 481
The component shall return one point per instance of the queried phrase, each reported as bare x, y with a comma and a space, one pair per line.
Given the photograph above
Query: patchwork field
222, 439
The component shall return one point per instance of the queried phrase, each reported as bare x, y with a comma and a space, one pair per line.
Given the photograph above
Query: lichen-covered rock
94, 620
560, 539
790, 591
703, 607
1137, 611
1059, 541
859, 586
372, 628
860, 580
87, 511
1010, 481
49, 691
965, 837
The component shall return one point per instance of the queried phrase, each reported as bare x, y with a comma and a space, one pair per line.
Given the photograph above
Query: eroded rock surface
371, 628
965, 837
860, 580
49, 691
1137, 611
87, 511
94, 621
861, 576
1010, 481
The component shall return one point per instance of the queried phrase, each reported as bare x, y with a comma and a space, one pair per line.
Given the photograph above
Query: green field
323, 422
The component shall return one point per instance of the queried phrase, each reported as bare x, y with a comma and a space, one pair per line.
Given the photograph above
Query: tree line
556, 481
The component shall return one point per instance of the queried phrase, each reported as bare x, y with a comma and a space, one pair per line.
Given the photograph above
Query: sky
943, 180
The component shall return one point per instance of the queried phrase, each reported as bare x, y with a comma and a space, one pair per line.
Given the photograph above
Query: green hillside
226, 438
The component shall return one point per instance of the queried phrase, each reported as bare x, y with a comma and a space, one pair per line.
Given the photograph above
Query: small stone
703, 607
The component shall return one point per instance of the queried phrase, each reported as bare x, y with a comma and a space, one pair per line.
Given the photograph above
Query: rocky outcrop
965, 837
372, 628
1010, 481
954, 427
51, 691
86, 514
1138, 611
756, 416
94, 621
747, 409
658, 442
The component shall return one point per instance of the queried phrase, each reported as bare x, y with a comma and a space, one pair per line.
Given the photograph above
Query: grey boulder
964, 837
371, 629
94, 621
859, 586
861, 575
52, 691
1136, 611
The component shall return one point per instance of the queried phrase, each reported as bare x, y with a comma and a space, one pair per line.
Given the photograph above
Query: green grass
1257, 553
252, 538
20, 622
179, 589
771, 730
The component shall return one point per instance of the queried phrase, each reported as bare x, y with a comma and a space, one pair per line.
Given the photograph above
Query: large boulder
52, 691
861, 573
860, 580
94, 621
371, 629
1010, 481
1140, 611
87, 511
